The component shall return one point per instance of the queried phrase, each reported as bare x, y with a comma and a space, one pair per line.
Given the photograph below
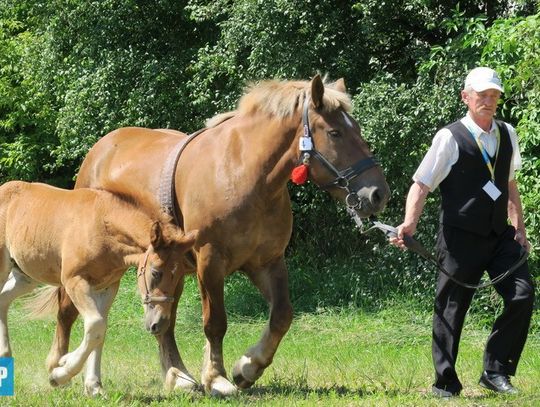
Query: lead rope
416, 247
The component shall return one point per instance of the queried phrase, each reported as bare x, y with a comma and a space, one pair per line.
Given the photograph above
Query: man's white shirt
444, 152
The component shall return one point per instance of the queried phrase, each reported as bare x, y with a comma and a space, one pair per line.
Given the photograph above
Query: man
473, 162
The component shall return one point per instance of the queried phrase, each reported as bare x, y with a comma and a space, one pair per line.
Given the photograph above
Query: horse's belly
37, 266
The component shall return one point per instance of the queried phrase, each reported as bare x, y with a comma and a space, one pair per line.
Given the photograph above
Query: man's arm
416, 200
515, 213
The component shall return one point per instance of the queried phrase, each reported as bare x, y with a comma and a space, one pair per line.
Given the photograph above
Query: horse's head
339, 160
159, 273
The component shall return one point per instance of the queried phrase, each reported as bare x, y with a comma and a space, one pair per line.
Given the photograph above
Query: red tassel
299, 174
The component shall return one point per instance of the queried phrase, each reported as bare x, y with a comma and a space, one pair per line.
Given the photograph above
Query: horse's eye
156, 275
333, 133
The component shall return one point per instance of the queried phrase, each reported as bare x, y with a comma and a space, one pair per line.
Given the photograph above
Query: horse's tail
43, 303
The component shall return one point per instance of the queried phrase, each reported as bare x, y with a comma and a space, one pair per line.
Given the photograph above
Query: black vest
464, 203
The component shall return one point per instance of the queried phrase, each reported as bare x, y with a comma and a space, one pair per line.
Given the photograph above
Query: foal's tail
43, 303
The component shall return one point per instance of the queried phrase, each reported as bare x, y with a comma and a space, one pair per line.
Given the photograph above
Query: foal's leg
65, 318
15, 285
92, 376
94, 307
211, 280
272, 281
176, 374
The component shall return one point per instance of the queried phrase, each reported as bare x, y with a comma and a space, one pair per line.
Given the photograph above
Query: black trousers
466, 256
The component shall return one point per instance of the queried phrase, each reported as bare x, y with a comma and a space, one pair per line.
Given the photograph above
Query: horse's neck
276, 149
129, 230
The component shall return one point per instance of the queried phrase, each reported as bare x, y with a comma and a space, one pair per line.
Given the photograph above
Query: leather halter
343, 177
142, 273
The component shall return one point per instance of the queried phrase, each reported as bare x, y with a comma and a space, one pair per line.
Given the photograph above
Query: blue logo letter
6, 376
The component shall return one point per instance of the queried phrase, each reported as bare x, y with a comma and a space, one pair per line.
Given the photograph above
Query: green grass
331, 357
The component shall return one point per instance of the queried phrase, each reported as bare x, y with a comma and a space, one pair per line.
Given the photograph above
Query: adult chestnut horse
84, 240
230, 183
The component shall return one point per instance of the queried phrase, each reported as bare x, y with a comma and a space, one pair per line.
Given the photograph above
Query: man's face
482, 105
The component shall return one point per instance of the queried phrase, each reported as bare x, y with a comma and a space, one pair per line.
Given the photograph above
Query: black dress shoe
497, 382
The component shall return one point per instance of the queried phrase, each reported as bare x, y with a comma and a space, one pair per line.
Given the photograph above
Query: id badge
492, 190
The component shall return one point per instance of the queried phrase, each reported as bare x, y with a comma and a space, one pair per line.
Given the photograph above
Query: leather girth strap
166, 183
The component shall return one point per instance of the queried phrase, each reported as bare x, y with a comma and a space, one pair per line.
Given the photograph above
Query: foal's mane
149, 209
282, 99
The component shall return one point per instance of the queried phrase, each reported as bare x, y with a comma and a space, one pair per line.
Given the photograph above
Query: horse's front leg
210, 276
92, 373
177, 377
272, 282
94, 308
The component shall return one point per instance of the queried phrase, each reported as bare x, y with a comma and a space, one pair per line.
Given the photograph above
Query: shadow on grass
280, 389
289, 390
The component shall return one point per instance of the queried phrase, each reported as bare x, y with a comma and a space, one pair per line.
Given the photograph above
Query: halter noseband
142, 273
342, 178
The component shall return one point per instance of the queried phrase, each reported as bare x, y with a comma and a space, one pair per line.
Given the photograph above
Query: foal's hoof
59, 377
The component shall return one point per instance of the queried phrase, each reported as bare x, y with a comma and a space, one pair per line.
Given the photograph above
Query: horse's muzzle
154, 321
368, 200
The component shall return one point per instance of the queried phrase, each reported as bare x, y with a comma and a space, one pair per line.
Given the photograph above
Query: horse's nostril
375, 197
154, 328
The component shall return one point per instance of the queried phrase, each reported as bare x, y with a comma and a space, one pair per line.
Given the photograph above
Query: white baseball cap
483, 78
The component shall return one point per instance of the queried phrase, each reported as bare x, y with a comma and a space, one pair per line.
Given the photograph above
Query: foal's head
160, 271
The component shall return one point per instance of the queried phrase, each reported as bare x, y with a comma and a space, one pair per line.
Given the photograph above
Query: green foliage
512, 47
72, 70
88, 68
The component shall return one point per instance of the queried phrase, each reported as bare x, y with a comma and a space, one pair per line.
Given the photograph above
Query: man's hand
403, 229
521, 238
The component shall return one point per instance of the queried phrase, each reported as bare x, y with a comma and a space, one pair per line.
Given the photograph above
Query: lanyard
485, 155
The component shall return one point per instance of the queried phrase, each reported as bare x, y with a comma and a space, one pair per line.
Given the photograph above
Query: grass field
328, 358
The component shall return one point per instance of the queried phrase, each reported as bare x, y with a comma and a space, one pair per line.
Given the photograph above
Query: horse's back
37, 219
128, 161
44, 205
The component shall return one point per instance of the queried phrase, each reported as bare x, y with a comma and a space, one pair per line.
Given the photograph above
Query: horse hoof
241, 382
59, 377
178, 380
243, 369
94, 391
221, 387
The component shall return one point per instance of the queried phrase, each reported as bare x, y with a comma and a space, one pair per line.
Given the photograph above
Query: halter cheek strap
142, 273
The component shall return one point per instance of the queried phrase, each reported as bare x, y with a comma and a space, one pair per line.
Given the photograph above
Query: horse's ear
317, 91
156, 235
339, 85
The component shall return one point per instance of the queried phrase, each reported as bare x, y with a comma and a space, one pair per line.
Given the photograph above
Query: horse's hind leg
67, 314
273, 284
16, 285
177, 377
94, 308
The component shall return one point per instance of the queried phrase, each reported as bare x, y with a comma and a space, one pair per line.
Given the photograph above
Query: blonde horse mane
282, 99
